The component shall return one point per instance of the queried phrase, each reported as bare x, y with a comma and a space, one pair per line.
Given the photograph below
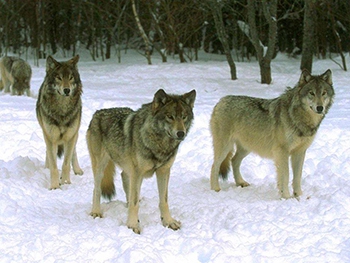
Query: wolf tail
107, 184
60, 150
225, 166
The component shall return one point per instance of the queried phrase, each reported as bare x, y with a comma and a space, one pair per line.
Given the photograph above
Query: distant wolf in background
15, 75
58, 111
141, 143
273, 128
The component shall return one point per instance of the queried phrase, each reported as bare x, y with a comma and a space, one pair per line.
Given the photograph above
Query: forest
241, 30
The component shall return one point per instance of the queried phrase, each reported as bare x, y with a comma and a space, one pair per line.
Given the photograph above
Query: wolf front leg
281, 161
51, 162
163, 175
297, 159
135, 181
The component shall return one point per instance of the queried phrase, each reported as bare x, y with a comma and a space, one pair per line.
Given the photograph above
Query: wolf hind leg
236, 161
125, 179
99, 164
75, 163
99, 160
222, 149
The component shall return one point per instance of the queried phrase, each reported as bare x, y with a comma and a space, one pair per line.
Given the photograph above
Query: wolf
141, 143
279, 129
58, 110
15, 75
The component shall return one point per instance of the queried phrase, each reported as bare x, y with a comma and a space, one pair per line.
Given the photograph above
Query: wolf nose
319, 109
66, 91
180, 134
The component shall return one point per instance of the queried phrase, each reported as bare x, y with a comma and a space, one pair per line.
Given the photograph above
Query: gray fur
279, 129
141, 142
58, 110
15, 75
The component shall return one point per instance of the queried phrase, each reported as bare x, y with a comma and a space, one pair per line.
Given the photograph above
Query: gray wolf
141, 143
15, 75
278, 129
58, 110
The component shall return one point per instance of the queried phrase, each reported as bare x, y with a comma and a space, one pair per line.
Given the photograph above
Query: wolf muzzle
319, 109
66, 91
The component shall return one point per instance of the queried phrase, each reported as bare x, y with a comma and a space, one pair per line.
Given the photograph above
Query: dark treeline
107, 27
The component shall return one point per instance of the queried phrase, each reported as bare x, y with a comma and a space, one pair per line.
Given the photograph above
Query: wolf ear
190, 97
160, 99
74, 60
304, 77
327, 77
51, 63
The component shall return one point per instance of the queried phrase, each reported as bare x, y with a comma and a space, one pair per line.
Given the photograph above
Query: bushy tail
225, 166
107, 184
60, 150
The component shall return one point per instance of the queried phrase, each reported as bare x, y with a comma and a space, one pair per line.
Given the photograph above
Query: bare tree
142, 32
264, 54
216, 10
308, 35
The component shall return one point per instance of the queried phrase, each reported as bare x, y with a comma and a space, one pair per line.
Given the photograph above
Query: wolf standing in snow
58, 111
279, 129
15, 75
141, 143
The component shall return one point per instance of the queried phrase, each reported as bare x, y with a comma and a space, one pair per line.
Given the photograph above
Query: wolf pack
145, 141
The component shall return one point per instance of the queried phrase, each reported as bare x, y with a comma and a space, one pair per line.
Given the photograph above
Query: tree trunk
308, 36
142, 32
264, 54
265, 71
220, 29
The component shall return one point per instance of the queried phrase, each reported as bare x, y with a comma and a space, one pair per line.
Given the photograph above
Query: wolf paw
96, 214
243, 184
54, 186
135, 228
79, 172
172, 224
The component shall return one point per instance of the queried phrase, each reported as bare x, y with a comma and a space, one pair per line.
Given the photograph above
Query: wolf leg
222, 148
163, 175
135, 181
297, 167
69, 147
75, 163
281, 161
125, 179
236, 161
7, 84
51, 162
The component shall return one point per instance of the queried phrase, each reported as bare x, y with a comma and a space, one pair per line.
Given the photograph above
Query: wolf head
173, 113
316, 92
63, 77
22, 74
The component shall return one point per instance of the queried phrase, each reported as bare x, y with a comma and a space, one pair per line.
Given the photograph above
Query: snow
234, 225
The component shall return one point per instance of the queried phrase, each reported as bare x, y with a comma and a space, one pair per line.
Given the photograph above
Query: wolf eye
324, 93
71, 78
170, 117
312, 93
59, 78
184, 117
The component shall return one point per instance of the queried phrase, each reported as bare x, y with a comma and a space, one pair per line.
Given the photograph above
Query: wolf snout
180, 135
319, 109
66, 91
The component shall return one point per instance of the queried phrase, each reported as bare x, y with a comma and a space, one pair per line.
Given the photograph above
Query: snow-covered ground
235, 225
